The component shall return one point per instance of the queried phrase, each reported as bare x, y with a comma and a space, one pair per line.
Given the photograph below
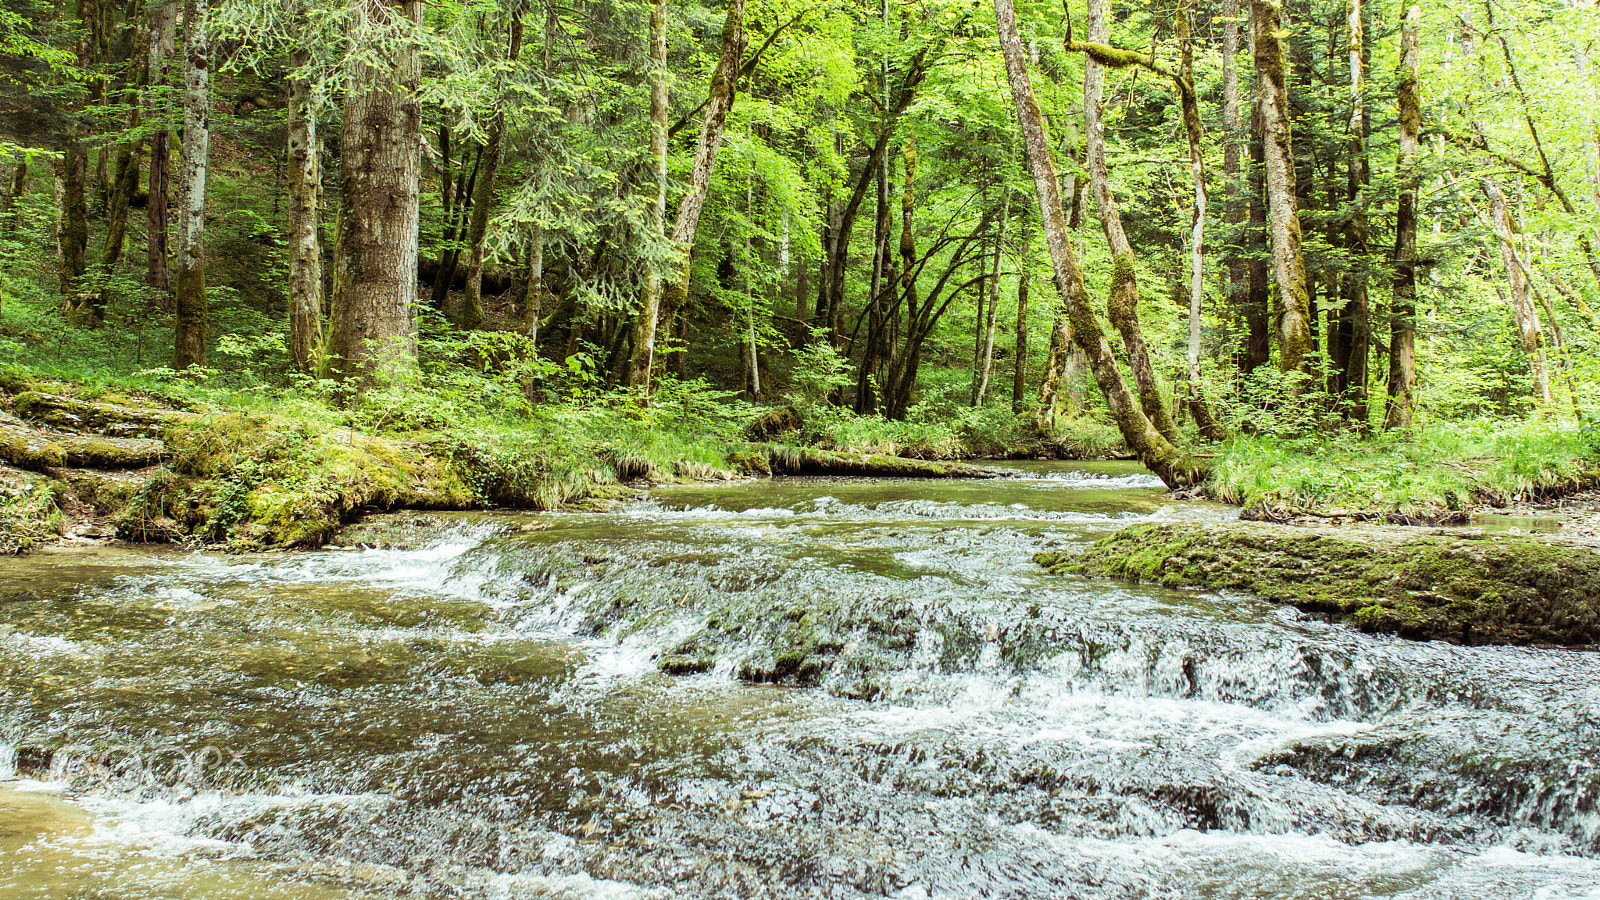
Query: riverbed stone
1482, 589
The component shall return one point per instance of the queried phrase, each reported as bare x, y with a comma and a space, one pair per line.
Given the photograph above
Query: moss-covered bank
1496, 589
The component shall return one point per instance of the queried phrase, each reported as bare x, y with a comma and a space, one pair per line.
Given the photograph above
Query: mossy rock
99, 452
1464, 589
26, 448
116, 419
750, 463
106, 492
773, 424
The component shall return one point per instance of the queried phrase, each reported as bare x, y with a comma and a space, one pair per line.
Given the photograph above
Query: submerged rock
1495, 589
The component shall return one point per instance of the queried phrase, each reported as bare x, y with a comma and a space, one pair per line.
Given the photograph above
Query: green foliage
1445, 468
819, 370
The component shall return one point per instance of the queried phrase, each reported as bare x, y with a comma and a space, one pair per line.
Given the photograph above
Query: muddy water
477, 712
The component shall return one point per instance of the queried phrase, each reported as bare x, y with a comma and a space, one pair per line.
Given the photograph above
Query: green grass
1448, 467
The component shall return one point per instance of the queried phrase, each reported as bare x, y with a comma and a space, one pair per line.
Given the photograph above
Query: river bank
258, 470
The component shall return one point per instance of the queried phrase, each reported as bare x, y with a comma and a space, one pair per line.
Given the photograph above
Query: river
477, 711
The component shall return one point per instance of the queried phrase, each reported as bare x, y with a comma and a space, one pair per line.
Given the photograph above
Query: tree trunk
907, 290
189, 299
980, 390
1196, 404
72, 233
1350, 342
1235, 201
1123, 303
16, 187
163, 19
119, 200
374, 317
866, 396
478, 229
724, 83
1062, 388
1288, 262
1154, 450
642, 359
1403, 308
456, 213
1019, 364
1530, 333
305, 185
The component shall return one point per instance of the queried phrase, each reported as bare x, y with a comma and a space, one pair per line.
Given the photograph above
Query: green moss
1479, 590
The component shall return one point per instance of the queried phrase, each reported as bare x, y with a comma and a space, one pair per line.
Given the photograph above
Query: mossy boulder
128, 419
92, 451
1467, 589
773, 424
26, 448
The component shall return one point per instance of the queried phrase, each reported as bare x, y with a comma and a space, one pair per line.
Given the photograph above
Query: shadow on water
481, 715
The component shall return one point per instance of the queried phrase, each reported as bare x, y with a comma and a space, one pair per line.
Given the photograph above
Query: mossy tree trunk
483, 201
374, 316
305, 189
1403, 306
985, 361
124, 184
645, 324
1061, 390
1123, 302
1152, 448
163, 22
1530, 333
189, 297
1349, 341
1288, 260
16, 188
72, 228
1019, 361
1235, 201
675, 292
1195, 402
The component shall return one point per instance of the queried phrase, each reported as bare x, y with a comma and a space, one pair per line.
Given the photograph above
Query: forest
1300, 256
797, 449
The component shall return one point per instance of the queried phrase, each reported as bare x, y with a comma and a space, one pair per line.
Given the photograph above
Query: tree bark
1235, 201
478, 228
305, 187
1154, 450
16, 187
72, 231
1288, 261
882, 254
1019, 363
189, 298
163, 18
1123, 303
986, 357
1403, 309
724, 84
1196, 403
373, 331
1349, 342
1530, 334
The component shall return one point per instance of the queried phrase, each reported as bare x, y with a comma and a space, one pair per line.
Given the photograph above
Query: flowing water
478, 712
